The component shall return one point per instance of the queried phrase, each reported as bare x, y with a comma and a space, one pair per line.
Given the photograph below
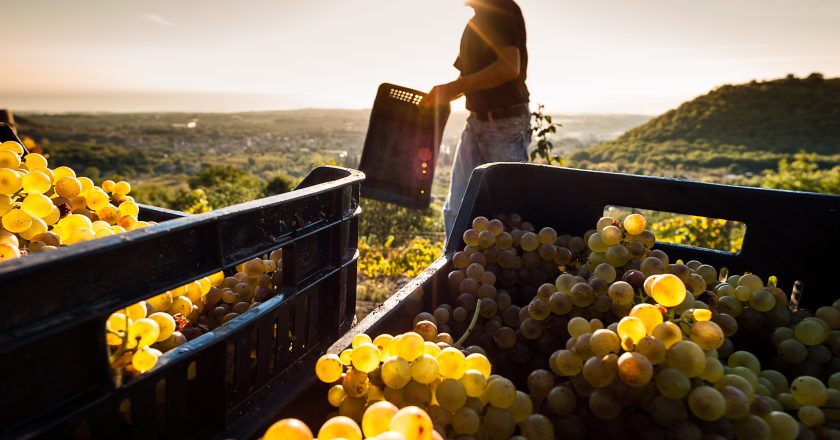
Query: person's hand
439, 95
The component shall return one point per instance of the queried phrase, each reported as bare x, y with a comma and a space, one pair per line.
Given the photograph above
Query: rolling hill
734, 129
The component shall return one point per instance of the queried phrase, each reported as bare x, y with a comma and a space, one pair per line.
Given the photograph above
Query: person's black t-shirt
496, 23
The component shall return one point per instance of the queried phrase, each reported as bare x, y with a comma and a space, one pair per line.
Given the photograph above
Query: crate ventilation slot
402, 95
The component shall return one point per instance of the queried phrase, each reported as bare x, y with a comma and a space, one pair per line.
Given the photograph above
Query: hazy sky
642, 56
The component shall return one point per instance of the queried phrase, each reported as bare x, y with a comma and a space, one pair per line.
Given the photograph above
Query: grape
424, 369
672, 383
811, 416
744, 359
737, 404
668, 290
145, 358
779, 381
340, 427
412, 422
335, 395
547, 236
522, 407
752, 427
603, 405
143, 332
809, 332
730, 305
605, 271
477, 361
792, 351
634, 369
474, 383
505, 337
8, 252
617, 255
452, 363
713, 371
451, 394
707, 335
739, 382
565, 363
604, 341
166, 325
539, 309
706, 403
538, 427
667, 412
651, 266
742, 293
634, 224
409, 346
600, 371
329, 368
465, 421
611, 235
16, 220
500, 393
631, 328
560, 303
498, 423
807, 390
652, 348
578, 326
762, 300
596, 244
561, 400
582, 295
355, 383
687, 357
288, 429
621, 292
649, 314
36, 182
782, 425
495, 226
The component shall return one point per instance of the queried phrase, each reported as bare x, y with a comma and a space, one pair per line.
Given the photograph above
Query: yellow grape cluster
140, 333
425, 369
42, 208
381, 421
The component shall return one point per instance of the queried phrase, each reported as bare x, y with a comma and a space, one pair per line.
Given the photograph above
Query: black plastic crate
571, 201
53, 358
401, 147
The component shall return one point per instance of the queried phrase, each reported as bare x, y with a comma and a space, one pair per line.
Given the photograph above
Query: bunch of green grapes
425, 369
381, 421
188, 311
618, 331
43, 208
254, 282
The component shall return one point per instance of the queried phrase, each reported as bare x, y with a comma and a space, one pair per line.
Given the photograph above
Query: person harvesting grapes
493, 62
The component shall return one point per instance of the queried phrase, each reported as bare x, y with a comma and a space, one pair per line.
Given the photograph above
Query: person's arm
505, 68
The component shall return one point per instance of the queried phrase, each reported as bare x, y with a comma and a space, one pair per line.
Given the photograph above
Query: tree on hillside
225, 185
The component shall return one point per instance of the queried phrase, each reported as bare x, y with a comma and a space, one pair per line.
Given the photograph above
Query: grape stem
472, 324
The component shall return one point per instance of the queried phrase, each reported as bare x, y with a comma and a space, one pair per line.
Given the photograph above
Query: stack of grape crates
54, 369
789, 235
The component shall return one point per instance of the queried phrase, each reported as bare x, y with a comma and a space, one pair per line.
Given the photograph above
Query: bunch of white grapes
381, 421
626, 338
426, 369
43, 208
139, 334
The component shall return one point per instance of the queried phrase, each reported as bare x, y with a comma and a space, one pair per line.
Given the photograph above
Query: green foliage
192, 202
803, 174
543, 127
380, 220
225, 185
406, 260
278, 185
702, 232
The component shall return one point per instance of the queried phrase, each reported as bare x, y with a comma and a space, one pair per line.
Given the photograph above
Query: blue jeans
499, 140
